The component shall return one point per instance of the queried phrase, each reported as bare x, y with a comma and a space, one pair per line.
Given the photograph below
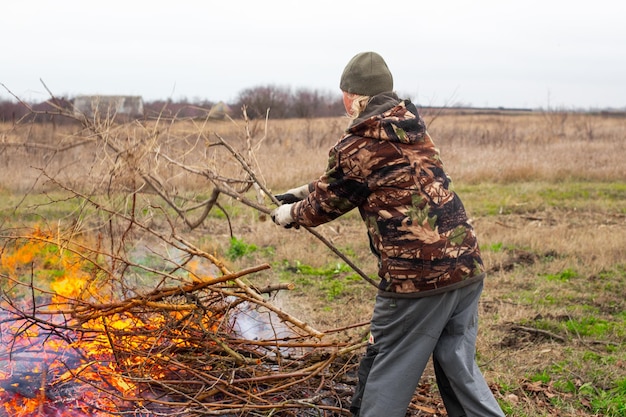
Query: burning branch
86, 312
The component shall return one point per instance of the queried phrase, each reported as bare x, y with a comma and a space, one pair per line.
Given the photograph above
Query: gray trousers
406, 332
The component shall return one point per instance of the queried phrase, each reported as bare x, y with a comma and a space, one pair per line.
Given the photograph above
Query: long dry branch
224, 188
321, 238
89, 311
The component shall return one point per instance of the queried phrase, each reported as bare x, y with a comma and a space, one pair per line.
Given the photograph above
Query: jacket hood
386, 117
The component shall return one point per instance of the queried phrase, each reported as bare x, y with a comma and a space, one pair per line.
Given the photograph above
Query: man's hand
294, 195
282, 216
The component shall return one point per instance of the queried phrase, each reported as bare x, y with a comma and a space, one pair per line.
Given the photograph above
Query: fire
53, 375
40, 377
22, 255
76, 340
45, 371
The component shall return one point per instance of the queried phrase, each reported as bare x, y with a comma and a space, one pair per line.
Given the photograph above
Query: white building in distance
109, 106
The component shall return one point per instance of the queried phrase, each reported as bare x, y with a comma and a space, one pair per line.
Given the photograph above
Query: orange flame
74, 370
47, 373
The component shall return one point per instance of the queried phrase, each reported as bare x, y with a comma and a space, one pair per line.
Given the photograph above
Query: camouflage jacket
387, 166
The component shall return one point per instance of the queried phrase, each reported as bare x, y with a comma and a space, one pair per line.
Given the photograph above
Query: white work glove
294, 195
282, 216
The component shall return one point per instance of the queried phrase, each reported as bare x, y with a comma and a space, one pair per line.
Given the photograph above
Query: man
430, 268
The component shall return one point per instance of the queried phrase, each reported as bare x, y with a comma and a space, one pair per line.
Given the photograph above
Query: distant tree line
281, 102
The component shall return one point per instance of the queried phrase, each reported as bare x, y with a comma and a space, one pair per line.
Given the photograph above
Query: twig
545, 333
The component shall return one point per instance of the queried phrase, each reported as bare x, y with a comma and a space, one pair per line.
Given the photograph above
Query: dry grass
476, 148
488, 148
546, 193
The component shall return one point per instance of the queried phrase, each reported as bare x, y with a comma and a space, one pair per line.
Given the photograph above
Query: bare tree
258, 100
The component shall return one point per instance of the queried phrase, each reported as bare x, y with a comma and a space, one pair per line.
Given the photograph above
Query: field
546, 193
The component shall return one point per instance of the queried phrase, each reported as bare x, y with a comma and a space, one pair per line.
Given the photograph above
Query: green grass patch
331, 280
326, 271
489, 199
600, 393
594, 398
494, 247
543, 376
611, 402
588, 326
238, 249
563, 276
608, 192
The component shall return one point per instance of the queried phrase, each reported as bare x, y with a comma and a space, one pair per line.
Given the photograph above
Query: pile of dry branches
179, 350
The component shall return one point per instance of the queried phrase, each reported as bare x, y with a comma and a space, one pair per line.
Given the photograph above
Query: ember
48, 374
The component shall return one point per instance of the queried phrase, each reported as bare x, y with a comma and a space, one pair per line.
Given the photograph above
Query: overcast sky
536, 53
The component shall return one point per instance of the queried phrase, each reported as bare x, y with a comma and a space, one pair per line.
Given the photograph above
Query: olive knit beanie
366, 74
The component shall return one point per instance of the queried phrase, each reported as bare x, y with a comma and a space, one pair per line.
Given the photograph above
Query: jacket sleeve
339, 190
